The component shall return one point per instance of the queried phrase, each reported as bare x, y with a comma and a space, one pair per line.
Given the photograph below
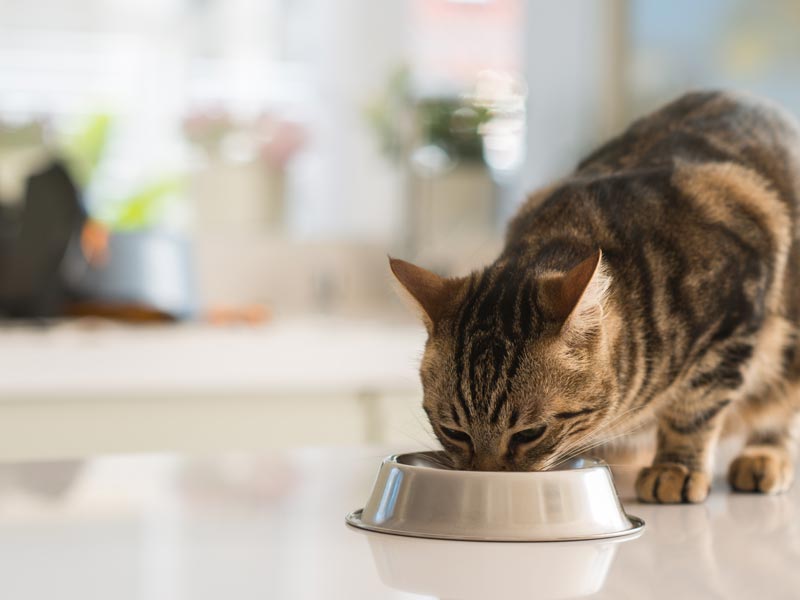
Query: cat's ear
430, 293
576, 298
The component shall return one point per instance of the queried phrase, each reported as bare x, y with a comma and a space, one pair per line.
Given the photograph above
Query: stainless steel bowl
415, 495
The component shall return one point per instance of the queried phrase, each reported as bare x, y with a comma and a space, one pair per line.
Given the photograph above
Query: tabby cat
657, 284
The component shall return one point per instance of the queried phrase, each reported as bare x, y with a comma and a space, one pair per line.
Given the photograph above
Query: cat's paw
762, 469
671, 483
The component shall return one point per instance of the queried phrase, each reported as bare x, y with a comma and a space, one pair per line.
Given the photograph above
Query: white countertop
320, 356
93, 387
271, 526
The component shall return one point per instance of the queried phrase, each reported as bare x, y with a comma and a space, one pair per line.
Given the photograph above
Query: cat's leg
686, 439
766, 463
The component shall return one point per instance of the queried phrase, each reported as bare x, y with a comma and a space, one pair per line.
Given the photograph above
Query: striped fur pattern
658, 285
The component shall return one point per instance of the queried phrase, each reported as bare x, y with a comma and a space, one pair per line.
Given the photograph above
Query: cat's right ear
576, 298
428, 292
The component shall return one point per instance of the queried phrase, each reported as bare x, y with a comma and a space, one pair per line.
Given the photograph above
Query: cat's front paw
761, 469
671, 483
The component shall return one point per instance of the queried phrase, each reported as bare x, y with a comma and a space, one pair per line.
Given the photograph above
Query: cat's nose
488, 463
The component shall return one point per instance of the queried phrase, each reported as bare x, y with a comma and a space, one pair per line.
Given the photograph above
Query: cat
657, 284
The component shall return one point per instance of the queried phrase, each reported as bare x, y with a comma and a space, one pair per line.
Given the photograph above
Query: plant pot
146, 270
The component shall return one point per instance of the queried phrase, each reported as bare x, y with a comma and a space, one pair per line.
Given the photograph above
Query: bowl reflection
464, 570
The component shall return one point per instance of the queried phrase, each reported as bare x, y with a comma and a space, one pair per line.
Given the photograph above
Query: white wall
344, 186
573, 70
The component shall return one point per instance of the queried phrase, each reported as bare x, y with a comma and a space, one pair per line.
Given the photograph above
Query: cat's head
517, 367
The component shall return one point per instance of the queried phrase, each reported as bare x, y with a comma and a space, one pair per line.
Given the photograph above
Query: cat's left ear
577, 297
430, 293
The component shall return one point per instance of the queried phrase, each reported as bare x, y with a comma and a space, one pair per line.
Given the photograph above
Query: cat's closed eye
456, 435
527, 436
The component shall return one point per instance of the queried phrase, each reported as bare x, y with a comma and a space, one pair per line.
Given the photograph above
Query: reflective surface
414, 495
270, 527
481, 570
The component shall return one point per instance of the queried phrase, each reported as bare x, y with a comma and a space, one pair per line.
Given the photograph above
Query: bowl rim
637, 524
394, 460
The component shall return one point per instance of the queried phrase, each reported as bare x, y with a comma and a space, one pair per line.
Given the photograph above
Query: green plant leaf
84, 150
144, 208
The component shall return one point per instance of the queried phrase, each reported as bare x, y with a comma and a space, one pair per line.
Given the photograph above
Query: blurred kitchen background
197, 197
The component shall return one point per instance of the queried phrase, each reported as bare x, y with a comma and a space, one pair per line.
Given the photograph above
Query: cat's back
704, 191
704, 159
703, 127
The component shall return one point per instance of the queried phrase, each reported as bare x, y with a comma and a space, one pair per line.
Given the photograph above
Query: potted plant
127, 263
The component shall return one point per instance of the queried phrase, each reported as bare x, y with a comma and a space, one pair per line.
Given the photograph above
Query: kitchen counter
171, 527
311, 355
92, 387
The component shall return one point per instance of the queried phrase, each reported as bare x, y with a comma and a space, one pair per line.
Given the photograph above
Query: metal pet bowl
415, 495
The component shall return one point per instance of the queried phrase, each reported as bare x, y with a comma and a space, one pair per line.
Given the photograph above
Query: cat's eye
526, 436
456, 435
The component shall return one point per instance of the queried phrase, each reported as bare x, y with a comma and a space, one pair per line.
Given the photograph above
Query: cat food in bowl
416, 495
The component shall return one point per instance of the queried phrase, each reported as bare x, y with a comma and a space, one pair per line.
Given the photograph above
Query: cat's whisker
603, 440
577, 447
424, 426
577, 451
